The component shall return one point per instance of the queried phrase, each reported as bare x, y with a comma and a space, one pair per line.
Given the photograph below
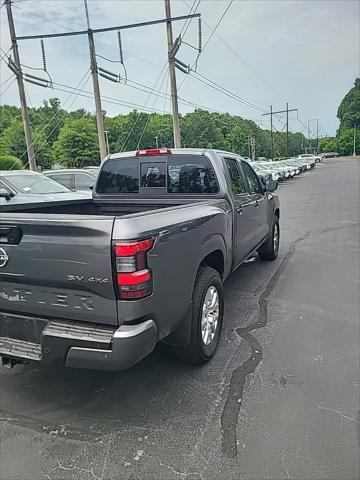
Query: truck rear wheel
270, 248
207, 317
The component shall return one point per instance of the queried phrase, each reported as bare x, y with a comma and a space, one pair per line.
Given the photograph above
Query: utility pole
172, 74
19, 78
287, 129
271, 135
108, 75
354, 151
317, 133
253, 148
95, 78
271, 113
107, 141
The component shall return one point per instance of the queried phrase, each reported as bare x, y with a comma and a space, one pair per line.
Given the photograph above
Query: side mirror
271, 185
6, 194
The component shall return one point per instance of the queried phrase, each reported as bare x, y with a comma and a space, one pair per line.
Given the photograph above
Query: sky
266, 52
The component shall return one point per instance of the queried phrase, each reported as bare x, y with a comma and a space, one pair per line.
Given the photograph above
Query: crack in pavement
230, 414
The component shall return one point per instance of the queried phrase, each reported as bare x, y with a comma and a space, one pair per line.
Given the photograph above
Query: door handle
239, 210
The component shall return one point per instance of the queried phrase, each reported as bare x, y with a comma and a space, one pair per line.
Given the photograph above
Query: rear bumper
75, 344
130, 344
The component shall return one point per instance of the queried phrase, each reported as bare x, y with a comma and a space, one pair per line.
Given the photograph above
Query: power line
84, 80
208, 40
185, 29
232, 50
138, 116
218, 23
43, 17
10, 84
225, 91
11, 76
148, 119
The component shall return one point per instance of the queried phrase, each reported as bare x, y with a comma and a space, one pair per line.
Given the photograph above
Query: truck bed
91, 207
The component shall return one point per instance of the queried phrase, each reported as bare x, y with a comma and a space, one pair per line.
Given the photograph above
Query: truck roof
173, 151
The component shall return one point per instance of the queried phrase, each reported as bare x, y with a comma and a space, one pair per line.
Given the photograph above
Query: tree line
349, 116
70, 138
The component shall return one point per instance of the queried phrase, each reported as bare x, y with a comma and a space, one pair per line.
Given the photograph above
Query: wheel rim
276, 238
210, 315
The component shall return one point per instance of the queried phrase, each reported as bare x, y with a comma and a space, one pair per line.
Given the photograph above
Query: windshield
35, 184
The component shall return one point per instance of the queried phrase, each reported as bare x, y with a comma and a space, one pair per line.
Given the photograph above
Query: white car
309, 156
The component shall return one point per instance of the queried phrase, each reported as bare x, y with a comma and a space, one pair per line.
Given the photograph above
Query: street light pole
354, 151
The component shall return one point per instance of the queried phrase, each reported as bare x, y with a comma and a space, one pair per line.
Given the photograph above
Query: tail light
134, 278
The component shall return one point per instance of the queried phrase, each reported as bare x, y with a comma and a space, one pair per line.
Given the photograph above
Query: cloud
303, 52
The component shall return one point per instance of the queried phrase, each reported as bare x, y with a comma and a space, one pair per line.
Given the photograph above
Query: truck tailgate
60, 268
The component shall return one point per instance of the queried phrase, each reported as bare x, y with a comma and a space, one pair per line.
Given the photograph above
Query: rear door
244, 219
258, 201
57, 268
66, 179
83, 181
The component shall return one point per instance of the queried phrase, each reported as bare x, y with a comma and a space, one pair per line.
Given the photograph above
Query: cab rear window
183, 174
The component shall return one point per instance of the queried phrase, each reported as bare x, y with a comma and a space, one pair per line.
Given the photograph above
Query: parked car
23, 186
261, 172
309, 156
329, 155
75, 179
267, 167
96, 285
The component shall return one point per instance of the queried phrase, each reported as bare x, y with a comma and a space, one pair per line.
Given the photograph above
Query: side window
65, 179
83, 182
191, 174
252, 179
237, 184
119, 176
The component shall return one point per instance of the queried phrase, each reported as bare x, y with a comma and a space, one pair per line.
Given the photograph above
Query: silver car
76, 179
22, 186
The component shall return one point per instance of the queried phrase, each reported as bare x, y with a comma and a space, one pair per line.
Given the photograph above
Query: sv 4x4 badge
82, 278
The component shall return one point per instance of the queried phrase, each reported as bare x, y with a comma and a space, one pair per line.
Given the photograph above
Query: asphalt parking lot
279, 400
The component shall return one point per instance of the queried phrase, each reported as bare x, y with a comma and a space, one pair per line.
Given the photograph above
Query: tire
270, 249
198, 351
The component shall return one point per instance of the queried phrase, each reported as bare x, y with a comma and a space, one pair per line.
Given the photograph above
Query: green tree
12, 140
77, 144
349, 109
199, 130
328, 144
345, 141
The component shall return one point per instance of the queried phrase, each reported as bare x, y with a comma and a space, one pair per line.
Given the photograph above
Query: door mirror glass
271, 185
6, 194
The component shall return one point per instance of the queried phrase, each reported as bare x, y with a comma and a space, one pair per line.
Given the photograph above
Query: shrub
8, 162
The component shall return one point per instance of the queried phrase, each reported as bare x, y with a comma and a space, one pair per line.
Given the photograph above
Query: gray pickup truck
96, 283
